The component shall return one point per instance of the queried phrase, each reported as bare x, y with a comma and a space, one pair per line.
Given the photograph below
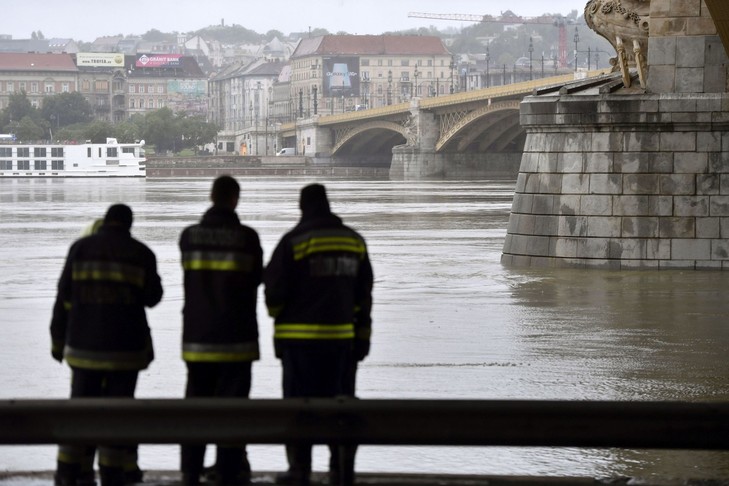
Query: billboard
100, 59
158, 60
341, 76
188, 95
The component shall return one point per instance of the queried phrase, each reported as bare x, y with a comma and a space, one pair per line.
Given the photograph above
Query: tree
28, 130
98, 131
162, 130
66, 109
196, 132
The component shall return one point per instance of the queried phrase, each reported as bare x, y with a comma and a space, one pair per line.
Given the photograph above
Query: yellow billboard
100, 59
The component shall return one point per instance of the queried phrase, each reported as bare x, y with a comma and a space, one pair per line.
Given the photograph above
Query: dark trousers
224, 380
76, 462
318, 370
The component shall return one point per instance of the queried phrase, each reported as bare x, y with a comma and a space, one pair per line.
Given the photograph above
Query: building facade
117, 86
38, 75
336, 73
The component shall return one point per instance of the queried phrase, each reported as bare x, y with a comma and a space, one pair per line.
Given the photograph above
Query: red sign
158, 60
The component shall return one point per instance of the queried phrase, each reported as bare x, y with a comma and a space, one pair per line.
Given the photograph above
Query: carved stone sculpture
624, 23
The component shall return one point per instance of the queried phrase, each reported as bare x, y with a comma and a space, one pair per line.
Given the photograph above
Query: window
34, 87
22, 86
131, 104
132, 88
39, 165
56, 151
404, 62
39, 152
11, 87
49, 88
6, 152
24, 165
65, 88
23, 151
430, 63
6, 165
365, 62
389, 62
141, 88
160, 89
112, 152
56, 164
101, 85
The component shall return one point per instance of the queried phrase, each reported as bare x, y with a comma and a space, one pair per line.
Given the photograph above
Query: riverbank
212, 166
172, 478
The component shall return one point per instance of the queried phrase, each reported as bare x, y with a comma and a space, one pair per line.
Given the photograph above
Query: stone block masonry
644, 184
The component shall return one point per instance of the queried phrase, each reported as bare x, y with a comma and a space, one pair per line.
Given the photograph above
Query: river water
450, 322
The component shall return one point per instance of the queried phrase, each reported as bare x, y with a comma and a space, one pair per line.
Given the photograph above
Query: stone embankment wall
623, 182
410, 163
237, 165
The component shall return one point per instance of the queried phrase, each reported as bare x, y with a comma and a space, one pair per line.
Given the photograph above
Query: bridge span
445, 136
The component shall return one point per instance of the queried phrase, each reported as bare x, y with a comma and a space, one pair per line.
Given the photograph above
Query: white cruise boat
110, 159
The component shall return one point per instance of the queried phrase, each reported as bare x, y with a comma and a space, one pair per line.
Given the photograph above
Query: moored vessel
110, 159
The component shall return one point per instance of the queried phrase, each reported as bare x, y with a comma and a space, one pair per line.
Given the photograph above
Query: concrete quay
172, 478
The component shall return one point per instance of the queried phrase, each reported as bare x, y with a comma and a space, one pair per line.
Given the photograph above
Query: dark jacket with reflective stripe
319, 283
223, 265
99, 318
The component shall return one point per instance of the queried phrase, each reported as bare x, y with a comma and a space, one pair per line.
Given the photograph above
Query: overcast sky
85, 20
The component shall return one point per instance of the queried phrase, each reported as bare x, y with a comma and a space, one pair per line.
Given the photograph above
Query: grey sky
87, 19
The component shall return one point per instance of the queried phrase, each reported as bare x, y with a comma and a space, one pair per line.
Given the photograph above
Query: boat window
39, 165
39, 152
57, 165
6, 151
24, 165
23, 151
6, 165
56, 151
112, 152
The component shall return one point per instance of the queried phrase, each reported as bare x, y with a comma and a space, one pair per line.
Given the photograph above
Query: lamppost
389, 87
453, 68
316, 101
576, 39
531, 50
488, 62
366, 91
416, 81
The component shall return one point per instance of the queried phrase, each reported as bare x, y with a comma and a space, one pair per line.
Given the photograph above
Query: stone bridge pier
421, 158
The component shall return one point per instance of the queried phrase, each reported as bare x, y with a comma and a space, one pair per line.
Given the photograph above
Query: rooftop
371, 45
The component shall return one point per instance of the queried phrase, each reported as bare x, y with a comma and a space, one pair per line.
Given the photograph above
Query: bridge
426, 137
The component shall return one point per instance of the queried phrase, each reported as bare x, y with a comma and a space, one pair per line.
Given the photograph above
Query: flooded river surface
449, 321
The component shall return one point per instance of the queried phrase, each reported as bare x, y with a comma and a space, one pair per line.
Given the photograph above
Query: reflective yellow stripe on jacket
217, 261
108, 271
220, 353
107, 360
314, 331
323, 242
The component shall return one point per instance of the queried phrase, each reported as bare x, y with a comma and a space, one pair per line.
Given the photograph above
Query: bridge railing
659, 425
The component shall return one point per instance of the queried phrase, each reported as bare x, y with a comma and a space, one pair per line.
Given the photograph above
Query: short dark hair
119, 214
226, 190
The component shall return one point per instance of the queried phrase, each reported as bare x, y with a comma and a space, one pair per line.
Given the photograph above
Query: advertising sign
341, 76
158, 60
100, 59
188, 95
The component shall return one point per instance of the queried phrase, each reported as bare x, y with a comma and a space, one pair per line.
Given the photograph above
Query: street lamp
416, 81
453, 68
488, 62
531, 50
389, 87
576, 39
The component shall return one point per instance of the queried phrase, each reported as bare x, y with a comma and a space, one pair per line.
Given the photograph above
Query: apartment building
117, 86
39, 75
335, 73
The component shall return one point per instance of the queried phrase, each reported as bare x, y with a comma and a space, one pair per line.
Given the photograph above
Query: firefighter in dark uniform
99, 327
318, 287
223, 265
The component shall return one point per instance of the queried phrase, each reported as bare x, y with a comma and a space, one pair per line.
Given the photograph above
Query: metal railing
654, 425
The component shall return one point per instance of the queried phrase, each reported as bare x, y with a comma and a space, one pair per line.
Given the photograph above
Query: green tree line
69, 117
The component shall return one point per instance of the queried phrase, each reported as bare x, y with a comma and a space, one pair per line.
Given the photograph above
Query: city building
335, 73
38, 75
242, 105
